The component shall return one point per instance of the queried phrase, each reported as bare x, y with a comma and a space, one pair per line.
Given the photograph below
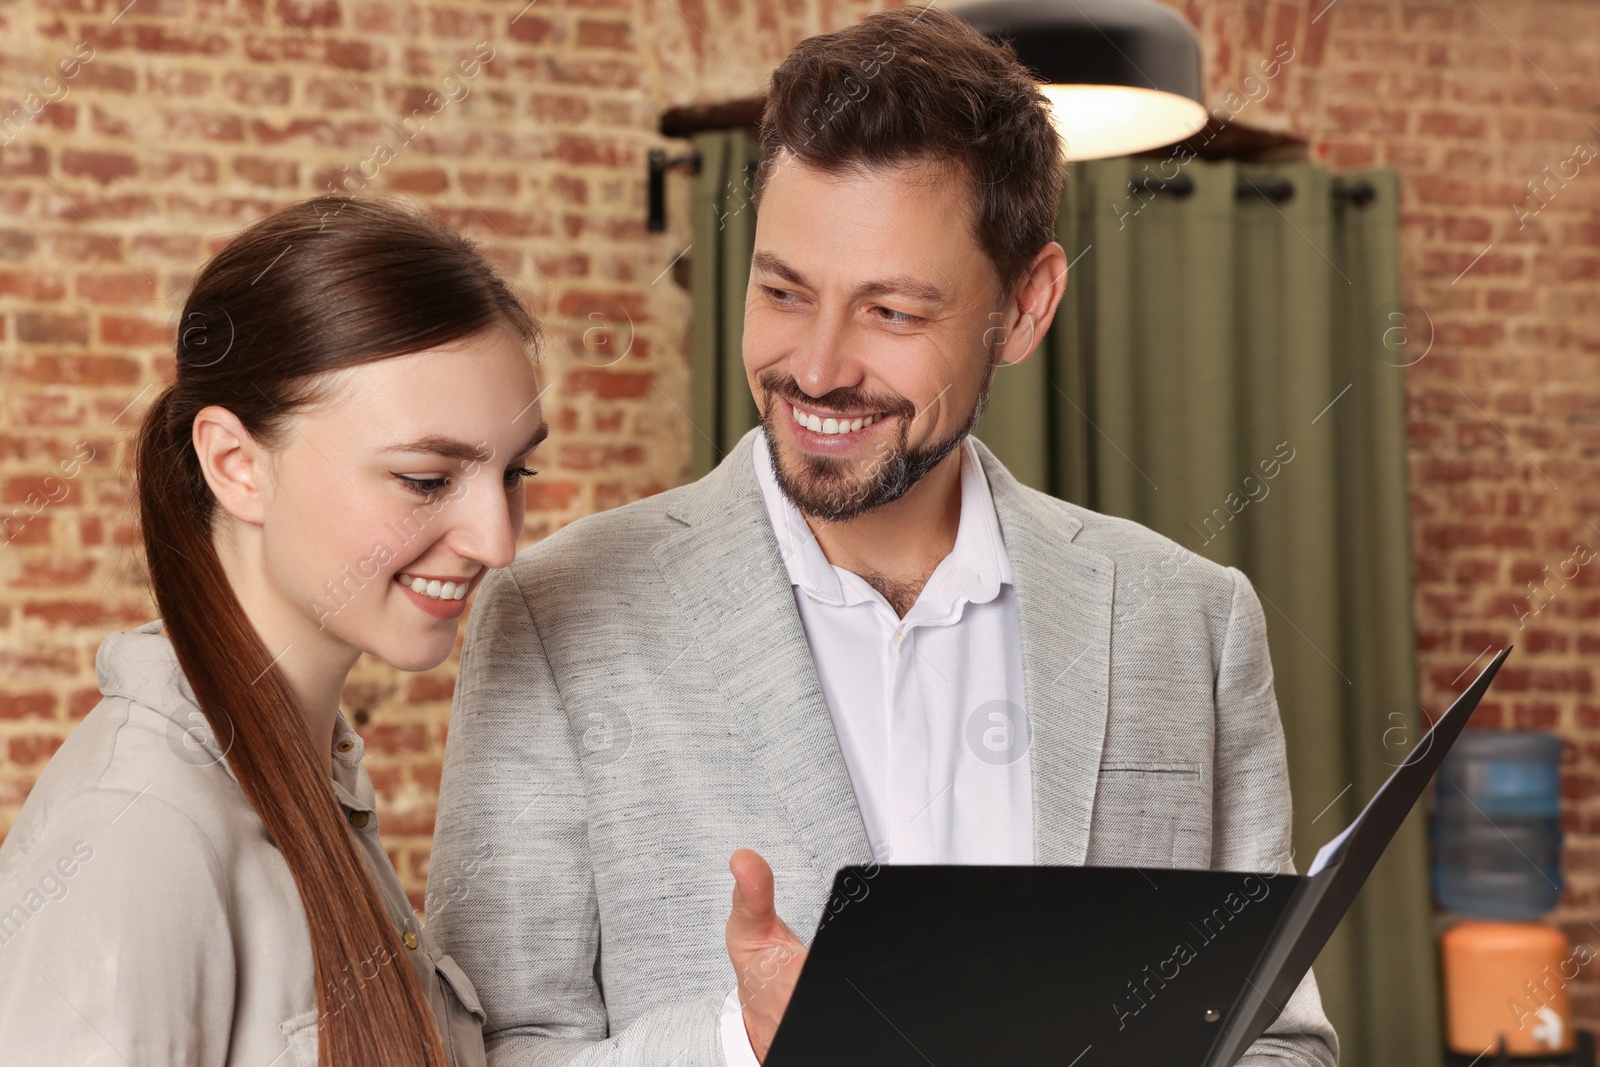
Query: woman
197, 876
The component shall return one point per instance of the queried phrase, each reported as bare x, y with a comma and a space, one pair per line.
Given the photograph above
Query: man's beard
841, 488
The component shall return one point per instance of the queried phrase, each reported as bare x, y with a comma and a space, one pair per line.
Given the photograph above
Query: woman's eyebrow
452, 448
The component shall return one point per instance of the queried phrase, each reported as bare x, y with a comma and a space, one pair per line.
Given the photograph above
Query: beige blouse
145, 916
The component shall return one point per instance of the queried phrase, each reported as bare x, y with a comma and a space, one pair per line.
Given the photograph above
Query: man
858, 639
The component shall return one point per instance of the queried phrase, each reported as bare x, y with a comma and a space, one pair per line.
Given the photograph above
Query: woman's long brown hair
326, 284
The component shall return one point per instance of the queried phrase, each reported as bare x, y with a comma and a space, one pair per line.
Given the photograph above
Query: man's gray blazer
636, 700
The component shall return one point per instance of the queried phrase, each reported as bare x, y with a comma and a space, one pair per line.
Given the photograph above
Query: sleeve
116, 945
1251, 821
511, 888
736, 1048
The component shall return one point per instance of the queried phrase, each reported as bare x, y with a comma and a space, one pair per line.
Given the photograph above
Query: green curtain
1225, 368
724, 221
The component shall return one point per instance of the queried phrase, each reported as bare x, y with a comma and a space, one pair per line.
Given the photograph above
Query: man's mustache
847, 402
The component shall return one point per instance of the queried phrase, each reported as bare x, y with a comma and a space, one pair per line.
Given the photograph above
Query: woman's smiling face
392, 496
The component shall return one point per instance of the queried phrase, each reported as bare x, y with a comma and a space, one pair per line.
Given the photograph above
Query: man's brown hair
919, 84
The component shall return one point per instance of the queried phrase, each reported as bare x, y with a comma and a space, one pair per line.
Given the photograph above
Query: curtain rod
1357, 192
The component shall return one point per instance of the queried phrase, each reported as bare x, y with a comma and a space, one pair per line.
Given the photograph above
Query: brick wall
136, 137
155, 129
1487, 110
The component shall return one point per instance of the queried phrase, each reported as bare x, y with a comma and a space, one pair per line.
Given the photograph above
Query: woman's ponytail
369, 280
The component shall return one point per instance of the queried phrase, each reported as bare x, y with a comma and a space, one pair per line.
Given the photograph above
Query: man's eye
781, 296
893, 317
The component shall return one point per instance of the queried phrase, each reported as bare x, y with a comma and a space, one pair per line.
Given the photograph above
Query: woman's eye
424, 486
429, 487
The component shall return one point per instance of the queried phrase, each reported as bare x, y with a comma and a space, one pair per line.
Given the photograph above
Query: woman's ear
234, 464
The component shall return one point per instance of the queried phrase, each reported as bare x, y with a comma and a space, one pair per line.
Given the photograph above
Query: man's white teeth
831, 426
433, 588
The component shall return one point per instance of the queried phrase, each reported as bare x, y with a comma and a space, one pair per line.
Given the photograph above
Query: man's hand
766, 955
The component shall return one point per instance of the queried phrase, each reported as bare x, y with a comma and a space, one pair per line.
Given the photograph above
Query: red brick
427, 773
608, 383
16, 244
202, 126
417, 180
31, 285
407, 822
82, 701
552, 494
337, 94
430, 686
35, 659
310, 129
32, 750
52, 327
604, 33
183, 81
579, 457
174, 41
562, 108
193, 168
34, 703
18, 160
103, 74
60, 573
386, 779
308, 14
80, 370
254, 88
1452, 124
531, 29
96, 207
396, 739
133, 331
183, 247
353, 54
455, 23
36, 491
260, 170
476, 183
125, 287
87, 613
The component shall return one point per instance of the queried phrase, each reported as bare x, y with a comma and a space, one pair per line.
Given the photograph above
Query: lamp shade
1121, 75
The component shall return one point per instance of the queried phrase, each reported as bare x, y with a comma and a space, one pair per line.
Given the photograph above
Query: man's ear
1033, 305
234, 464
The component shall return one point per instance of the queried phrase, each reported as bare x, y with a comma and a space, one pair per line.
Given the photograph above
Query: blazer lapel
1064, 612
729, 580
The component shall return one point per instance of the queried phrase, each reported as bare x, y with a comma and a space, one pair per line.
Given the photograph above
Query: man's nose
825, 358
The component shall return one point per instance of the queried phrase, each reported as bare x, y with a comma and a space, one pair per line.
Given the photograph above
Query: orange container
1509, 980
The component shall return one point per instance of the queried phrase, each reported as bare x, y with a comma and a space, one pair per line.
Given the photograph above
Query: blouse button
410, 939
346, 745
358, 819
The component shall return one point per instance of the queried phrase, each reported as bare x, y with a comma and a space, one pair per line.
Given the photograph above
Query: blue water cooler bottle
1497, 868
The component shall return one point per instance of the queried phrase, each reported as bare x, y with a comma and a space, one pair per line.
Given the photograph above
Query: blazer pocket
1150, 815
464, 1016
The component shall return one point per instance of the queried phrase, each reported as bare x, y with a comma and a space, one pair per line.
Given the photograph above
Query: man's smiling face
869, 329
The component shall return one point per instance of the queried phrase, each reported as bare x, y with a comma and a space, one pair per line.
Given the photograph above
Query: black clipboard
1081, 966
